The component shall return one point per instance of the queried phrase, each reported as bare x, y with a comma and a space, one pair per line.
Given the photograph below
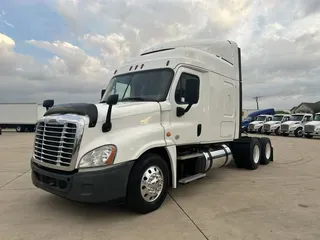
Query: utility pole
257, 101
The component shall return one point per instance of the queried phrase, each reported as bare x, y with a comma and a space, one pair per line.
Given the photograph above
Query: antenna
257, 101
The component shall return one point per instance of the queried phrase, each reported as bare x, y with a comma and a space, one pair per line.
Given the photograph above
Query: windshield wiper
135, 99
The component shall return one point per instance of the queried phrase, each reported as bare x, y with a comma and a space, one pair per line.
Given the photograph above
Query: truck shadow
96, 212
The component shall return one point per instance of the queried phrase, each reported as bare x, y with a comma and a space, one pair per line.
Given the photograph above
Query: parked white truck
273, 126
312, 128
166, 117
295, 125
20, 116
257, 125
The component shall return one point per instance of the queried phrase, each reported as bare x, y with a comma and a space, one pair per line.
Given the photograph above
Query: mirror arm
188, 107
106, 127
181, 111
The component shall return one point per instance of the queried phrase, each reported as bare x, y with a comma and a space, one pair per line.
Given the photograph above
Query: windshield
277, 118
248, 118
317, 117
261, 118
149, 85
297, 117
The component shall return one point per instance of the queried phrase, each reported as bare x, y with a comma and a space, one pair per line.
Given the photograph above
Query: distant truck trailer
20, 116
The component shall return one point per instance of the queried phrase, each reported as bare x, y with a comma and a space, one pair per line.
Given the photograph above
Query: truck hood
313, 123
97, 113
126, 109
291, 123
257, 122
245, 123
273, 122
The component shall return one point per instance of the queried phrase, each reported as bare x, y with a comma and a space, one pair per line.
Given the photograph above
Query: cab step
192, 178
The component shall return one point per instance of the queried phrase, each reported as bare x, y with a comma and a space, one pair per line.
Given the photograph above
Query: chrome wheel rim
256, 154
151, 184
268, 151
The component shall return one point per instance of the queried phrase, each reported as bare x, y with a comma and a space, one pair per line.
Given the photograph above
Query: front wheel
148, 184
277, 132
298, 132
18, 129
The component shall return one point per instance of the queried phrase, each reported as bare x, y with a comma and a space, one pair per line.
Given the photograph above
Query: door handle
199, 128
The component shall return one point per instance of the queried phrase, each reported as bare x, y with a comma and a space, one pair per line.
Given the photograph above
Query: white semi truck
20, 116
166, 117
295, 125
273, 126
257, 125
312, 128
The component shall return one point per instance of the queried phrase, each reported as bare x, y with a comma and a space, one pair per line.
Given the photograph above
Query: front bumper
271, 130
312, 133
91, 186
288, 132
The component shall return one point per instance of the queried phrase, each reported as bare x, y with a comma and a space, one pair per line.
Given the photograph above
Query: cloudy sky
67, 49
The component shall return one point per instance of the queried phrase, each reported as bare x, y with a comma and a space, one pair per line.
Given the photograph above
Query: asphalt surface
278, 201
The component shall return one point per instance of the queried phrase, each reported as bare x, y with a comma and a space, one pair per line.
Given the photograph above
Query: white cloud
279, 42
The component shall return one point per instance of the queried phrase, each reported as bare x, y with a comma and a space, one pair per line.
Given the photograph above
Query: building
307, 108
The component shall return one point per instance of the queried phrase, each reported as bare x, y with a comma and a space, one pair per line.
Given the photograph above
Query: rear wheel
285, 134
266, 151
308, 136
247, 152
148, 184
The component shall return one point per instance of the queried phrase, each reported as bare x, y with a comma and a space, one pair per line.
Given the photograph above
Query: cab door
187, 125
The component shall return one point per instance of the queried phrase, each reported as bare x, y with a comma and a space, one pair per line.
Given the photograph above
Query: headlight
293, 128
101, 156
318, 129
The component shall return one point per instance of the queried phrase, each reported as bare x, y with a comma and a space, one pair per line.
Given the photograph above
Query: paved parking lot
278, 201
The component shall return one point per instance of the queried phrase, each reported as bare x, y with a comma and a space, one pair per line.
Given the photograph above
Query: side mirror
191, 95
192, 91
102, 93
48, 103
112, 99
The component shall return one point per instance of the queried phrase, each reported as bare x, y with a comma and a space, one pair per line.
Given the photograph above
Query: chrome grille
284, 127
251, 126
55, 143
309, 128
267, 127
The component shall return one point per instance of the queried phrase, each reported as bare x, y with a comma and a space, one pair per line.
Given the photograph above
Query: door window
308, 118
181, 89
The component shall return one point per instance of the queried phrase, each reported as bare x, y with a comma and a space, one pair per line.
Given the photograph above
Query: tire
266, 151
298, 132
247, 153
18, 129
260, 130
308, 136
277, 131
253, 154
136, 201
